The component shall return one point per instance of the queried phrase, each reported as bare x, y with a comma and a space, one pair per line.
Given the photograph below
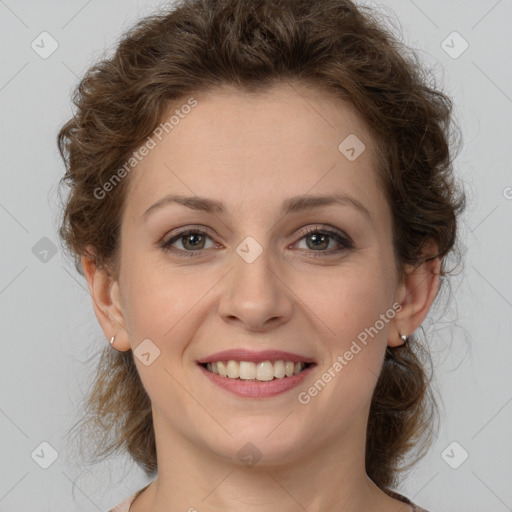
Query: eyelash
340, 238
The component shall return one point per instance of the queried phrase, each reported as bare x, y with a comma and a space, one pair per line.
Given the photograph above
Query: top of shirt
125, 505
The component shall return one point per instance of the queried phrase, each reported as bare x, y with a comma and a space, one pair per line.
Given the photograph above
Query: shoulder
125, 505
400, 497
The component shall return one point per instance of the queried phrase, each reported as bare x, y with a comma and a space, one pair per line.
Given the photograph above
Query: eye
192, 241
322, 237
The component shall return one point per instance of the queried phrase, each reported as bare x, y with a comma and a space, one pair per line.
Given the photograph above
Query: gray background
49, 331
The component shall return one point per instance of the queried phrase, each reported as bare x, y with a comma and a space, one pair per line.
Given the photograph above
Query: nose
255, 294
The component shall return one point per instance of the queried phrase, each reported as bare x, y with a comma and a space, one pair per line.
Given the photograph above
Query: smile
263, 371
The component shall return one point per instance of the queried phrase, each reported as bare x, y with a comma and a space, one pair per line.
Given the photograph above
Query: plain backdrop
48, 328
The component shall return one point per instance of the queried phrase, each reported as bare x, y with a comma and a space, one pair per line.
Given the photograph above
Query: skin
252, 151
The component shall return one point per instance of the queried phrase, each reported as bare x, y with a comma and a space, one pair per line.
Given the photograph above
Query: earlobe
416, 295
104, 291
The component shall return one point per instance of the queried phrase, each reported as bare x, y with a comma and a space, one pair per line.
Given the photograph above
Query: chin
259, 443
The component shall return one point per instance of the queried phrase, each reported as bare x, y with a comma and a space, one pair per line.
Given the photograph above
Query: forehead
235, 145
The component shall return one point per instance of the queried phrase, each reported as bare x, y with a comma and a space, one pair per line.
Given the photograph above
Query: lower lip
257, 389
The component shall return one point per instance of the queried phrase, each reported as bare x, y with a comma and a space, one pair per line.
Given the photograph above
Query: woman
262, 203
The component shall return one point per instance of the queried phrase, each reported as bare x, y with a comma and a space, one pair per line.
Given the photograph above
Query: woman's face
251, 278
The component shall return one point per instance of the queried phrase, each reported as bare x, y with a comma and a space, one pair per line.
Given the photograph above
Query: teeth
247, 369
233, 370
263, 371
221, 367
279, 371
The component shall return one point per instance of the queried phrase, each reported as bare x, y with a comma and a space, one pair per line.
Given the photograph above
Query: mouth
263, 371
256, 374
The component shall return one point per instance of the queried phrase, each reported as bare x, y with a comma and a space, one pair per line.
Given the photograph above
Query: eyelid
183, 230
325, 228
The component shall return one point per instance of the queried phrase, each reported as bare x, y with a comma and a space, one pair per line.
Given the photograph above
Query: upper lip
256, 357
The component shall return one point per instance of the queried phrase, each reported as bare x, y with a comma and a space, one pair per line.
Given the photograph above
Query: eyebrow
290, 205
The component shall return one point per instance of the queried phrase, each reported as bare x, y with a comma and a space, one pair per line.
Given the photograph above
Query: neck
329, 476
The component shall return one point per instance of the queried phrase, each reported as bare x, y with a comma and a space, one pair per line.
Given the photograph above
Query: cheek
354, 340
347, 301
163, 303
352, 309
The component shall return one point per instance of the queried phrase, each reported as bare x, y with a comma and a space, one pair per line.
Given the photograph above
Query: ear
416, 294
106, 301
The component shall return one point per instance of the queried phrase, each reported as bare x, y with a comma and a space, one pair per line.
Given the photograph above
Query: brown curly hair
334, 45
